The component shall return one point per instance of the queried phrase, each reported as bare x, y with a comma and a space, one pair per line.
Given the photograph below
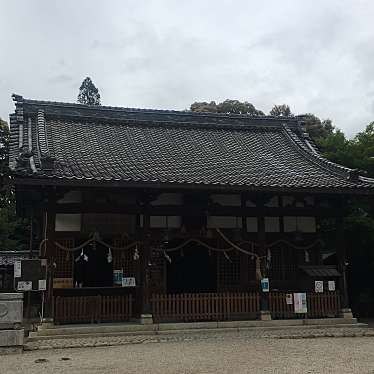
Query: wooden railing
89, 309
319, 305
205, 306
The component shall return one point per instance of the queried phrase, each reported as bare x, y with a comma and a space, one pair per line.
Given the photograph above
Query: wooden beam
186, 187
194, 210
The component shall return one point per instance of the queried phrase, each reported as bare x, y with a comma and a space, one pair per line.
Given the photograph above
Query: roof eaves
310, 151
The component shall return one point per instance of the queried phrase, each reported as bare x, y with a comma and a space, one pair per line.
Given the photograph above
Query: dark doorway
192, 270
92, 268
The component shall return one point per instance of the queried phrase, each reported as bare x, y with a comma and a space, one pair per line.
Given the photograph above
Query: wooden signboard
62, 282
28, 274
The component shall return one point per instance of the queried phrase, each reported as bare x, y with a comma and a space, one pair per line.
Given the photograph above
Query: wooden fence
89, 309
319, 305
205, 306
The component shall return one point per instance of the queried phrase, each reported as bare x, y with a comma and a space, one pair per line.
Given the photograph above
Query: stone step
58, 332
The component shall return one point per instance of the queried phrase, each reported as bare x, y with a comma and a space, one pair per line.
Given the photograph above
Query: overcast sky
316, 56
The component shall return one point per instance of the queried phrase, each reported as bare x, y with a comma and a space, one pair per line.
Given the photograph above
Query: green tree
204, 107
362, 150
88, 93
13, 231
281, 111
228, 107
316, 128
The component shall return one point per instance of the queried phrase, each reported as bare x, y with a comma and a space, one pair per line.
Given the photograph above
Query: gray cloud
316, 57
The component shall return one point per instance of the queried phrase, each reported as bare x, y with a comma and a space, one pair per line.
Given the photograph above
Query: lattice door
125, 259
64, 259
228, 271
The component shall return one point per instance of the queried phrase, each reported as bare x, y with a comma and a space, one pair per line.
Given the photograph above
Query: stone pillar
11, 316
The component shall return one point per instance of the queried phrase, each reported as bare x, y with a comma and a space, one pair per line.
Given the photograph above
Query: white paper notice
318, 286
128, 282
17, 269
331, 285
42, 285
24, 286
289, 299
300, 304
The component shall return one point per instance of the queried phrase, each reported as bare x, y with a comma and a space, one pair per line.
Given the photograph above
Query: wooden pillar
48, 250
341, 259
265, 314
244, 262
146, 310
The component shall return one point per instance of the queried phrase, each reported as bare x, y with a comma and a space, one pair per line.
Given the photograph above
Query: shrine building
171, 216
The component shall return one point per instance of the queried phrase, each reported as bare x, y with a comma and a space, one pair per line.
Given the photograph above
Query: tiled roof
72, 142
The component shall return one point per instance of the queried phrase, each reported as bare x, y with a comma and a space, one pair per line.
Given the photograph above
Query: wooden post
341, 259
146, 311
264, 313
244, 263
31, 242
49, 235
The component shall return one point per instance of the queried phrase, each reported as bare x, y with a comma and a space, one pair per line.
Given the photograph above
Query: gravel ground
219, 353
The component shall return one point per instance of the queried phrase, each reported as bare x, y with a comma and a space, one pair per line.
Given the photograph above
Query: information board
28, 274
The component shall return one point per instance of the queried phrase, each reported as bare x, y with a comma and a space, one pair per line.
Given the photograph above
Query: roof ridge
21, 100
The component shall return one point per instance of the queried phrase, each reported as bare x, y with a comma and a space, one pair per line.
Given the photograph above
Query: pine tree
88, 93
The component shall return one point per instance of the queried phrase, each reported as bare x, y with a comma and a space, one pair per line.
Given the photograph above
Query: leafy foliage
228, 107
316, 128
281, 111
13, 231
88, 93
204, 107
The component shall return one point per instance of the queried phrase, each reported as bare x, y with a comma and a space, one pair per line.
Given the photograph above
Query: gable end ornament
23, 159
